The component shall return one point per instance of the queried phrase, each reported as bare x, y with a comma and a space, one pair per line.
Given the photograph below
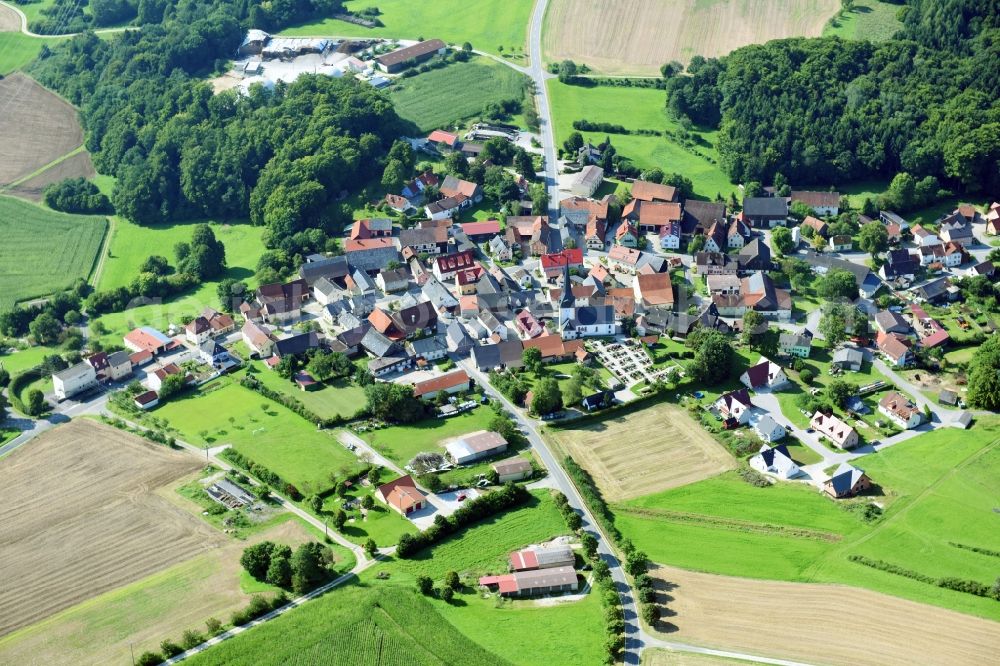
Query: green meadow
639, 109
494, 26
938, 490
869, 19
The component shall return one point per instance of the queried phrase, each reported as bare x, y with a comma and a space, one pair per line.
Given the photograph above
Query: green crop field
43, 251
493, 26
635, 109
939, 490
354, 625
268, 433
869, 19
442, 97
336, 398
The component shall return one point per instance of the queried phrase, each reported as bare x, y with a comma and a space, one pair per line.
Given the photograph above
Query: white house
587, 181
197, 331
735, 405
768, 429
775, 460
901, 411
924, 238
74, 379
670, 236
765, 375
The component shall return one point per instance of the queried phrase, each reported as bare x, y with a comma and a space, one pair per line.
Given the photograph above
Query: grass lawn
639, 108
869, 19
382, 524
268, 433
23, 359
400, 443
17, 49
939, 489
467, 86
337, 397
494, 26
44, 251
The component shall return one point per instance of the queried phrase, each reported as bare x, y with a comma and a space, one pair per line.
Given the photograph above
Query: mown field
635, 109
648, 451
443, 97
939, 490
17, 50
637, 36
96, 522
43, 251
725, 612
493, 26
164, 605
869, 19
222, 412
335, 398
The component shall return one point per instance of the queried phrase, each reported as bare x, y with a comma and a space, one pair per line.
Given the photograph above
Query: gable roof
845, 478
765, 206
441, 383
647, 191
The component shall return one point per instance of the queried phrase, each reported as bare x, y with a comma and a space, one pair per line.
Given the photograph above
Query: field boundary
44, 168
734, 524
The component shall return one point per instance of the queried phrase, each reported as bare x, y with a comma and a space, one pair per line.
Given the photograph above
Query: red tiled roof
440, 136
359, 244
444, 382
646, 191
573, 257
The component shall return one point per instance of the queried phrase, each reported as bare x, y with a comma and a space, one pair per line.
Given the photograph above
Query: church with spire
594, 317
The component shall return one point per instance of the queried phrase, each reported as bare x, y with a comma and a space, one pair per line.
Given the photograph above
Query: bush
149, 659
170, 649
425, 585
191, 638
447, 594
76, 195
214, 626
807, 375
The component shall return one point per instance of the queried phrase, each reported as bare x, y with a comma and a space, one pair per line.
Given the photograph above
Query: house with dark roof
847, 358
796, 344
888, 321
371, 255
714, 263
899, 263
296, 344
698, 216
764, 375
333, 268
765, 212
735, 405
847, 481
755, 256
775, 460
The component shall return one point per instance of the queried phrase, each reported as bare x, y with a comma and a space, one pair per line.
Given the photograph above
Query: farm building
402, 495
146, 400
838, 432
775, 460
847, 481
512, 469
587, 181
402, 58
475, 445
148, 339
111, 367
542, 557
530, 583
453, 382
848, 358
73, 380
229, 494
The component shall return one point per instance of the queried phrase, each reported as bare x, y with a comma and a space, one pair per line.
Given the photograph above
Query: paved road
539, 75
633, 637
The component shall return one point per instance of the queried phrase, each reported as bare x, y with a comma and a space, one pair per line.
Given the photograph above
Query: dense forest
825, 111
282, 158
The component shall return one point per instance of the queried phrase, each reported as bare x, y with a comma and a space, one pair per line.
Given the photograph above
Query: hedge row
611, 128
263, 474
949, 582
19, 382
472, 511
592, 496
975, 549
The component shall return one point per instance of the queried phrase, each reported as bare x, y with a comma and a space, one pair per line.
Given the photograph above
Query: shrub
149, 659
447, 594
170, 649
425, 585
191, 638
214, 626
807, 375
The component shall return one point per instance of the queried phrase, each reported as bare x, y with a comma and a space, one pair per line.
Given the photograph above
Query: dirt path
821, 624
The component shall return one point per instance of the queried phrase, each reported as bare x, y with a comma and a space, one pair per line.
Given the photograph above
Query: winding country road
26, 31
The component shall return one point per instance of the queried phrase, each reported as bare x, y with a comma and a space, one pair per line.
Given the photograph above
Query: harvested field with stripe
81, 517
817, 624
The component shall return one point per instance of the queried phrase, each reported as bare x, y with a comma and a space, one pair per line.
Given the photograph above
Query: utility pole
132, 652
326, 528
